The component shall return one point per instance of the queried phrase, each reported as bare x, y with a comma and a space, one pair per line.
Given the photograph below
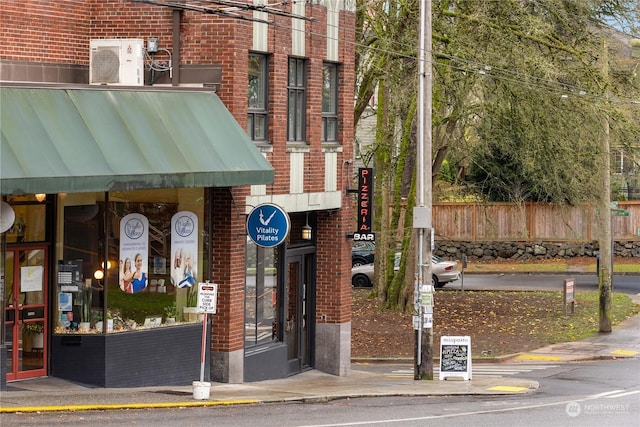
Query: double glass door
26, 311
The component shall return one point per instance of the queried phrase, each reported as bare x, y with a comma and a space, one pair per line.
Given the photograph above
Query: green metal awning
82, 139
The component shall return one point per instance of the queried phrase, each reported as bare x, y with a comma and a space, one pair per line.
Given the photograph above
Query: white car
442, 271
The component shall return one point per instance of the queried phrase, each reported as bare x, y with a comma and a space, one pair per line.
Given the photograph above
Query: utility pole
422, 213
604, 210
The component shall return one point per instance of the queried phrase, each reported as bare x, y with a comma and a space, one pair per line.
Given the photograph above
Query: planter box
152, 357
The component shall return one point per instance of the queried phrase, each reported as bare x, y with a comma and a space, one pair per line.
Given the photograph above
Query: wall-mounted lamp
108, 265
40, 197
98, 274
306, 230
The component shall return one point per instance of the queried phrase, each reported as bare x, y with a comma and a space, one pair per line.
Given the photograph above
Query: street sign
207, 297
619, 212
268, 225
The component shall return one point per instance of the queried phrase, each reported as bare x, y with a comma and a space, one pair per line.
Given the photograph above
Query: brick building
137, 136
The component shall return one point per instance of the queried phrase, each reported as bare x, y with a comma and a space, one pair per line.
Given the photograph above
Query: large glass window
29, 224
329, 102
143, 252
297, 99
258, 93
260, 295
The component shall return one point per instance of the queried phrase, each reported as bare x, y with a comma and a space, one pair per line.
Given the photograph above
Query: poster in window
31, 278
134, 253
184, 249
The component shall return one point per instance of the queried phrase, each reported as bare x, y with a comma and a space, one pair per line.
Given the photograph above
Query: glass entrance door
298, 311
26, 312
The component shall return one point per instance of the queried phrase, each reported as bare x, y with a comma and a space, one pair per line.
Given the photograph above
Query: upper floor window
257, 111
329, 102
297, 99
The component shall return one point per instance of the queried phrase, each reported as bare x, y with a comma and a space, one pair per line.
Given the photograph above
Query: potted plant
190, 312
34, 335
97, 320
171, 313
87, 296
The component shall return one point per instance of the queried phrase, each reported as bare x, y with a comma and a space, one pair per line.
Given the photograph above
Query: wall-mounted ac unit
116, 62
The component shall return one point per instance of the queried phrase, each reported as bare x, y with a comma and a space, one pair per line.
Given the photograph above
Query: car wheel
435, 282
360, 281
357, 262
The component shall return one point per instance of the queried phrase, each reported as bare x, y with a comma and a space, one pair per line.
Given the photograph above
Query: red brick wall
45, 31
334, 272
228, 261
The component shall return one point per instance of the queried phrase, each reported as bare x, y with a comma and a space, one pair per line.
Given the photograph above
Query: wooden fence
529, 222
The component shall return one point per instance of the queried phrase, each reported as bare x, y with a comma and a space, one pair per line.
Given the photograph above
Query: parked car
442, 271
362, 252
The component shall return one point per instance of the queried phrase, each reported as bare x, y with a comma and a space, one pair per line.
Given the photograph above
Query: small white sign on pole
455, 357
207, 297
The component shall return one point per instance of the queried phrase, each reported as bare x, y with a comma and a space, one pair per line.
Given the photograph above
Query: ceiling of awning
83, 139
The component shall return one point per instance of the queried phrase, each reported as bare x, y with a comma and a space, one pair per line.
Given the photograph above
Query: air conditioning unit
116, 62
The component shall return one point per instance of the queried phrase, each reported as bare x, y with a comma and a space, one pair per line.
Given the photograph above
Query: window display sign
31, 278
69, 276
184, 247
134, 253
65, 301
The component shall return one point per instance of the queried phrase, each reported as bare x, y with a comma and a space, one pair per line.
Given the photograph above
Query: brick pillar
228, 262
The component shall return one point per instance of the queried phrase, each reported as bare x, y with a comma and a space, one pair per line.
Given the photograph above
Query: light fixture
98, 274
108, 265
40, 197
306, 230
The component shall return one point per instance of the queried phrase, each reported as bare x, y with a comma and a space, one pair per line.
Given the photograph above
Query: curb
115, 406
436, 360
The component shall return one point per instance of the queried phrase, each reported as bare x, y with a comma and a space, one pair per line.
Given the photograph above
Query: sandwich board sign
455, 357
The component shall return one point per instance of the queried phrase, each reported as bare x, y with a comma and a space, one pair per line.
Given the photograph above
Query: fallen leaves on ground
498, 322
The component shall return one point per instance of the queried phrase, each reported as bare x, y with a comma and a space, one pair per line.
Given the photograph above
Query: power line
497, 73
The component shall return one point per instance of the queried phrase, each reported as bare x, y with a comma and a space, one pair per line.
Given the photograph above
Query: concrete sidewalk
53, 394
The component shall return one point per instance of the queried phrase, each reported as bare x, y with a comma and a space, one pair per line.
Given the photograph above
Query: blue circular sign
268, 225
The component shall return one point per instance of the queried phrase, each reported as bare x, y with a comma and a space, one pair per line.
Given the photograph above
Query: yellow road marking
625, 352
92, 407
538, 357
507, 388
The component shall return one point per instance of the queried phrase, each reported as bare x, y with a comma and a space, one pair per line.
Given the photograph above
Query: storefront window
260, 295
141, 252
30, 220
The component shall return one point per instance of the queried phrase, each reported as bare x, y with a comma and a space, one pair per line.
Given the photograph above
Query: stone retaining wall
489, 251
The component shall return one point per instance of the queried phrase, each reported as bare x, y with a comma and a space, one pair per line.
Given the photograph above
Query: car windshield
436, 259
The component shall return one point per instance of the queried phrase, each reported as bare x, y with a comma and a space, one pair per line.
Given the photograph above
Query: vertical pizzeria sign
365, 205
